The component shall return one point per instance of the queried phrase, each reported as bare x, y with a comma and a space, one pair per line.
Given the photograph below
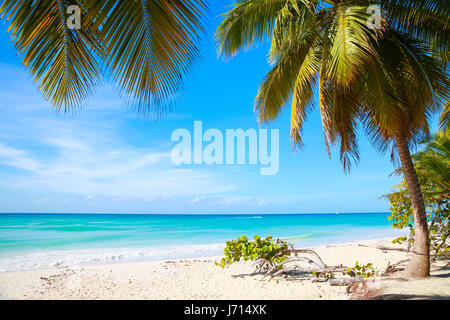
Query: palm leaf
342, 107
403, 81
427, 20
351, 43
248, 23
279, 83
302, 100
60, 59
150, 46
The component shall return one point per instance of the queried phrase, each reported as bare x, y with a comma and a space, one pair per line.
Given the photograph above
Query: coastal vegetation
433, 167
389, 78
267, 252
274, 257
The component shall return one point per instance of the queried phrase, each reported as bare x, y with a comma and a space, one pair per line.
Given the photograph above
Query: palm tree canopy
148, 46
401, 89
387, 77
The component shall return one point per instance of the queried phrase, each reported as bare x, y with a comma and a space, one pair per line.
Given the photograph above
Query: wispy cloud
88, 169
17, 158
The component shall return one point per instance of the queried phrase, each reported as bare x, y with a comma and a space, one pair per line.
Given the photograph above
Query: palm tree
386, 77
147, 46
399, 91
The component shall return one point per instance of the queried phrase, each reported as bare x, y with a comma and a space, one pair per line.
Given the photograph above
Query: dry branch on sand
299, 260
308, 261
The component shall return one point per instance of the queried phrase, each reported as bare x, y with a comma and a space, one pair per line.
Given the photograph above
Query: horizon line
197, 214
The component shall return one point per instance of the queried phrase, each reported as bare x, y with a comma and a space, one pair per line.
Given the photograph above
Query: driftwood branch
307, 251
391, 268
345, 281
309, 261
313, 261
384, 248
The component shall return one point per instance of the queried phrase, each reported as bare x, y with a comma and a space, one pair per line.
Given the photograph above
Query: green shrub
365, 271
269, 251
438, 215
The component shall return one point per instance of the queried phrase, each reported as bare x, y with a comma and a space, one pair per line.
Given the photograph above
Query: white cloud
17, 158
103, 172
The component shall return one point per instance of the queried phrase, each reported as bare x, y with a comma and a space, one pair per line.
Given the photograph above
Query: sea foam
50, 259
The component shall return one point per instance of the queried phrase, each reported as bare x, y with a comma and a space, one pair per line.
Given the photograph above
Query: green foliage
268, 250
401, 209
365, 271
438, 214
399, 240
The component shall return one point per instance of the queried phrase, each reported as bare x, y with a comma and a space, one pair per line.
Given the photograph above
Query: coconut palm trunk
419, 265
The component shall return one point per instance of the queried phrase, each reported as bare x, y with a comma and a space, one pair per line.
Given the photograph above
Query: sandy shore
201, 279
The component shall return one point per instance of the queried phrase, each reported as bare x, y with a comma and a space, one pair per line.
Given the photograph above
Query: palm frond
60, 59
404, 82
427, 20
351, 43
279, 83
325, 106
433, 164
248, 23
381, 105
292, 23
150, 47
302, 101
343, 110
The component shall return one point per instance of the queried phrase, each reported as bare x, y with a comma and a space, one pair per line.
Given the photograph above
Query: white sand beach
202, 279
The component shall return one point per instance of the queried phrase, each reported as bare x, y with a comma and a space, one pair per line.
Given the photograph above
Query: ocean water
31, 241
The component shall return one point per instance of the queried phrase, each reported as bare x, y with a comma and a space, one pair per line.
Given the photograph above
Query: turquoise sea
29, 241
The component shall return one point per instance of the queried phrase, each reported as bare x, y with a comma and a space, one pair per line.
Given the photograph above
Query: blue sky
105, 158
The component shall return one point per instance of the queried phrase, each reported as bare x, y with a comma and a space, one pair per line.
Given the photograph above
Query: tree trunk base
418, 267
